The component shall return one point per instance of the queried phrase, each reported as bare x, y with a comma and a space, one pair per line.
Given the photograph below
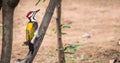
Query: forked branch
41, 32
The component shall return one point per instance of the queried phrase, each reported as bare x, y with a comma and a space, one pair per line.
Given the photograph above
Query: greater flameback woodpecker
31, 28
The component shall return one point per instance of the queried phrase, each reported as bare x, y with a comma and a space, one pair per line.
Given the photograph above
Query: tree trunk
0, 4
42, 30
61, 55
7, 17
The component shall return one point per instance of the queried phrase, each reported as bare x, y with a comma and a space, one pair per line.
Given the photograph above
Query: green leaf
69, 52
72, 46
39, 1
65, 26
63, 33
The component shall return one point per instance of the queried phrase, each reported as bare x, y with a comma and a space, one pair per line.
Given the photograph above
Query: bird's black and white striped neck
32, 19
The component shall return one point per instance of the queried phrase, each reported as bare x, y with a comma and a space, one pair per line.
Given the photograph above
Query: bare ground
98, 18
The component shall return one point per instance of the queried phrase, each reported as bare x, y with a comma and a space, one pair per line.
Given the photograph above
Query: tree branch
61, 55
42, 30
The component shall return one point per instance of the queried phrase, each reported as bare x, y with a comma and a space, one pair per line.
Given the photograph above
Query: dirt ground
98, 19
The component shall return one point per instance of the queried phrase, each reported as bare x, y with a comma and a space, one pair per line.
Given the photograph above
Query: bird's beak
37, 10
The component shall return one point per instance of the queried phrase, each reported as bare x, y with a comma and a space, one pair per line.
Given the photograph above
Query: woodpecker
31, 28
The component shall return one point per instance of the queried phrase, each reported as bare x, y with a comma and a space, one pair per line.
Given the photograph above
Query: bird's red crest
28, 14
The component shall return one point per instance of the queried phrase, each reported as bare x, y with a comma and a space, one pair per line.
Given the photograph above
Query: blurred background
94, 24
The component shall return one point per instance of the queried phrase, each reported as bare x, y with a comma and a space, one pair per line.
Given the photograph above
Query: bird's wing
35, 26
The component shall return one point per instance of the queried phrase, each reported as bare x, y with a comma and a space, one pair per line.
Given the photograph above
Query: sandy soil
97, 18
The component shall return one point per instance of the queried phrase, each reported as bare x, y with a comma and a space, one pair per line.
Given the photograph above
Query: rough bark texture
42, 30
7, 21
117, 60
61, 55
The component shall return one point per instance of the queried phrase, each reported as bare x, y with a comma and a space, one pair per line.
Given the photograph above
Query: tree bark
42, 30
7, 13
61, 55
0, 4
